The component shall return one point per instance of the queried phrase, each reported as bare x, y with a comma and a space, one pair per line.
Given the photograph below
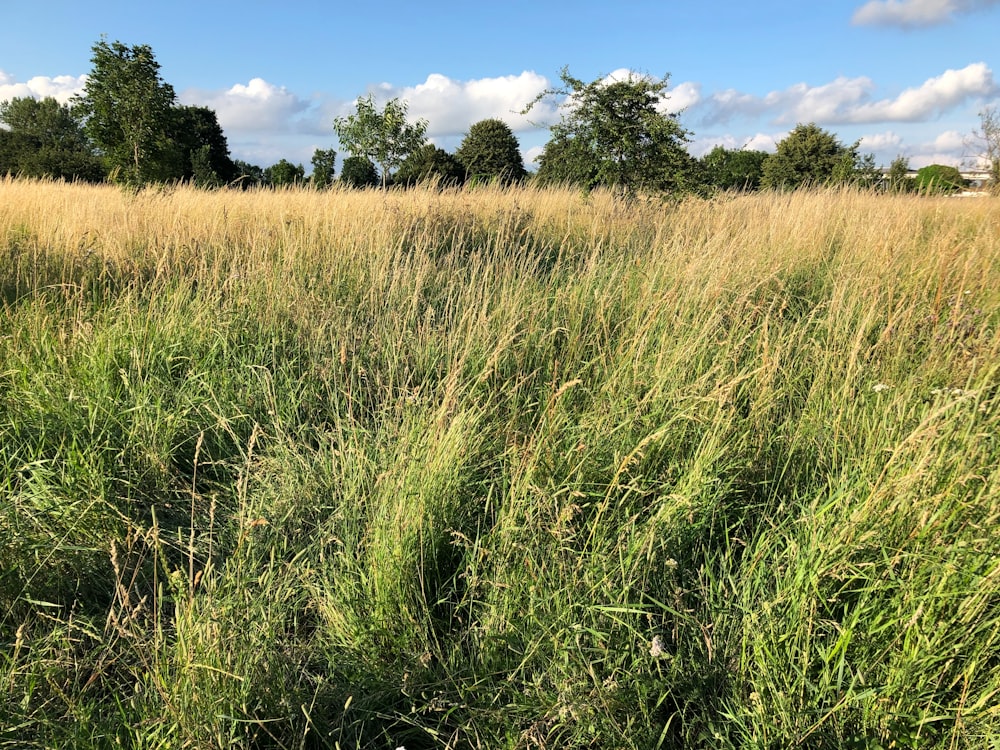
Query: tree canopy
126, 109
323, 167
358, 172
620, 133
490, 151
739, 169
43, 139
811, 156
429, 163
383, 137
201, 152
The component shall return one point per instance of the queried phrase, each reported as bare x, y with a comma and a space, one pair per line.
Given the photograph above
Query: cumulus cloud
682, 96
914, 13
757, 142
258, 106
934, 96
946, 148
61, 88
848, 100
880, 143
451, 106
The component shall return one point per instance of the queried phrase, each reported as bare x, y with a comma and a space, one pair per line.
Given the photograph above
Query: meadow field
498, 469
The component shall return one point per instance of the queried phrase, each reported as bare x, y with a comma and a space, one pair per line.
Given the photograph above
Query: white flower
879, 387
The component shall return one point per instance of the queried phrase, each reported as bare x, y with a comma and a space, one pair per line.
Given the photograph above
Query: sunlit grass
497, 468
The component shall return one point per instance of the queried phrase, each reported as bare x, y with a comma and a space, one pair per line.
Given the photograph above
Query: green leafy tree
384, 137
201, 152
939, 178
567, 161
739, 169
897, 178
358, 172
430, 163
247, 175
490, 151
620, 132
284, 173
811, 156
324, 162
126, 109
43, 139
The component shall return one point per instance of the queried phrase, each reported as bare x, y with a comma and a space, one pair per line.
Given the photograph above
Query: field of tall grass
498, 469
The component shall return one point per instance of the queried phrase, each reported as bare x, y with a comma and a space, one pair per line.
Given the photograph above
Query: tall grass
497, 469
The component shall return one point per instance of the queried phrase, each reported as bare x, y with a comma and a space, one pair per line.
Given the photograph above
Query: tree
810, 156
126, 109
567, 161
384, 138
986, 144
490, 151
201, 152
323, 167
358, 172
284, 173
897, 176
619, 131
739, 169
939, 178
430, 163
248, 175
43, 139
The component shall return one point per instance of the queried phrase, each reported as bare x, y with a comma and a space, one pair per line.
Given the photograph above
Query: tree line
126, 126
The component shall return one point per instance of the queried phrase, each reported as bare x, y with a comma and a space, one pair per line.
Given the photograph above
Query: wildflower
879, 387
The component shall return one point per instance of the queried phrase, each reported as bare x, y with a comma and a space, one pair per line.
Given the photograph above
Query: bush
939, 178
358, 172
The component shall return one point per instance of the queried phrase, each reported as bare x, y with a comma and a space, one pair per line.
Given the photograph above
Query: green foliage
897, 177
43, 139
430, 164
384, 138
284, 174
358, 172
567, 161
617, 130
248, 175
323, 167
201, 152
726, 169
939, 178
127, 112
490, 151
810, 156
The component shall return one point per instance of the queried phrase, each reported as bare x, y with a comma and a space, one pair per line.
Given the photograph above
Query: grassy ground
498, 470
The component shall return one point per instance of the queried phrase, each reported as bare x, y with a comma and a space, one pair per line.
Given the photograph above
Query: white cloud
682, 96
934, 96
61, 88
531, 156
765, 142
880, 143
914, 13
846, 100
451, 106
757, 142
257, 106
948, 148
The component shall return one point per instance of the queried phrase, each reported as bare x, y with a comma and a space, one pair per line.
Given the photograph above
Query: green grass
498, 469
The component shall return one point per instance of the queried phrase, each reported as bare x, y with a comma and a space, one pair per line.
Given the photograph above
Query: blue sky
907, 77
